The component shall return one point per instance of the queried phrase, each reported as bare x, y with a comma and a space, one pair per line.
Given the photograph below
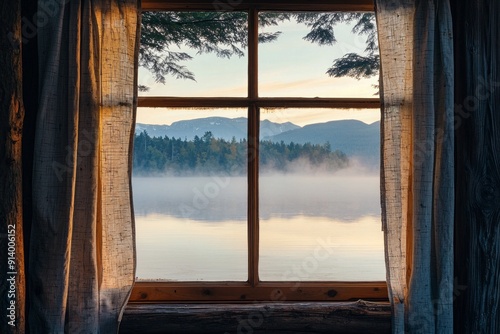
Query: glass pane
319, 197
193, 54
306, 45
190, 194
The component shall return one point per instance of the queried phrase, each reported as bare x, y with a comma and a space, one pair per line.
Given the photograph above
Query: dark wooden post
12, 279
477, 126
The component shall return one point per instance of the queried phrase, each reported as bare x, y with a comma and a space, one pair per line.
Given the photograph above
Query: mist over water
194, 228
346, 195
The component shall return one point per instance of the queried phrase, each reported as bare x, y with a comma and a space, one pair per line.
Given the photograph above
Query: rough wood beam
289, 5
351, 317
157, 292
12, 276
477, 167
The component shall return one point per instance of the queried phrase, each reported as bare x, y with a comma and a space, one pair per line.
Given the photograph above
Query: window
253, 92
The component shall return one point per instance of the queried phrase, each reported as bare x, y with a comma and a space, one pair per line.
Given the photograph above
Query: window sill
292, 317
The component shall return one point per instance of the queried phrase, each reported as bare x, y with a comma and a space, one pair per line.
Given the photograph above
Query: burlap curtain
416, 52
82, 254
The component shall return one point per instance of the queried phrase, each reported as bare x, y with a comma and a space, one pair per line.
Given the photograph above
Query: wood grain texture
262, 102
320, 5
353, 317
253, 195
12, 278
157, 292
477, 123
253, 150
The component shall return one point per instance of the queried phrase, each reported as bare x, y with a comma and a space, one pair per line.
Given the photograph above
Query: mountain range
221, 127
353, 137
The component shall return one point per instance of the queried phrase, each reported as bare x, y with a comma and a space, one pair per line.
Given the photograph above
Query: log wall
477, 133
12, 277
349, 318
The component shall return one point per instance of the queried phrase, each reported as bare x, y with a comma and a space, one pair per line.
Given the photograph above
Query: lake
312, 228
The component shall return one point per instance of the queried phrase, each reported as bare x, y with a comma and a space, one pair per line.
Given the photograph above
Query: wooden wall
12, 277
477, 125
317, 317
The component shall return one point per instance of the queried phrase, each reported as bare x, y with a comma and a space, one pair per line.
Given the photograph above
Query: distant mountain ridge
353, 137
221, 127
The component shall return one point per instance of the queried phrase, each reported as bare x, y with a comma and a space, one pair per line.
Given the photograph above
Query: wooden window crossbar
261, 102
281, 5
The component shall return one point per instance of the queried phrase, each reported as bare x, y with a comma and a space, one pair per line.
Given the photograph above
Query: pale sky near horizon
288, 67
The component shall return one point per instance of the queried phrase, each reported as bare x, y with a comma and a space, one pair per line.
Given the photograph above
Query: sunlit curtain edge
417, 176
82, 270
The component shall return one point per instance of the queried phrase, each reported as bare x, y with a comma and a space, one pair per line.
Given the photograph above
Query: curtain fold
417, 178
82, 251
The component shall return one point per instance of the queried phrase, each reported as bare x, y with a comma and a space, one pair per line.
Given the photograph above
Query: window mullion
253, 59
253, 150
253, 195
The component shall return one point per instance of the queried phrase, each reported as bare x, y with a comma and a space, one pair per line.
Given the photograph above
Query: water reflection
220, 198
178, 249
312, 228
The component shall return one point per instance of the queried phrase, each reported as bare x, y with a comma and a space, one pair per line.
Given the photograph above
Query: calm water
312, 228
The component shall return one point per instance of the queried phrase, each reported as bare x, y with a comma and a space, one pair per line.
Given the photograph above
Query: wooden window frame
254, 289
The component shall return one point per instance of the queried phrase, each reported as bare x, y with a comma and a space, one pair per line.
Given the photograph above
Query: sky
288, 67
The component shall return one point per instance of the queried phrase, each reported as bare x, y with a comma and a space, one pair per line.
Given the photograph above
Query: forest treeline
208, 155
